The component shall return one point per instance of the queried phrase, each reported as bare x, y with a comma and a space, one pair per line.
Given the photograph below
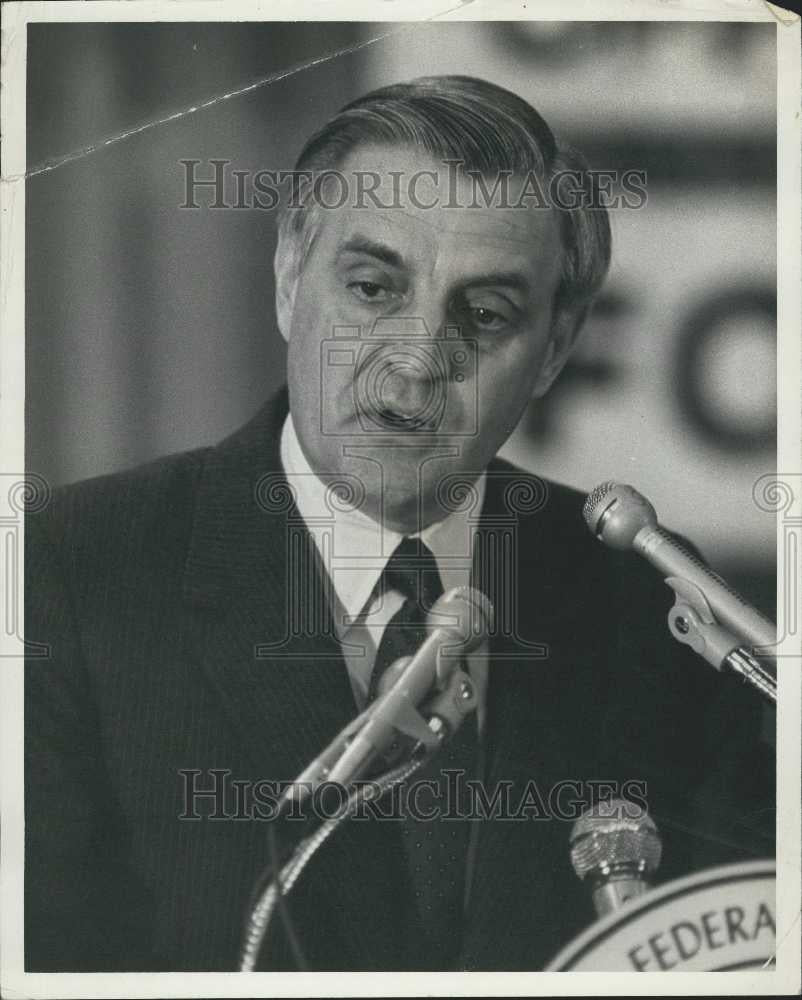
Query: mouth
394, 420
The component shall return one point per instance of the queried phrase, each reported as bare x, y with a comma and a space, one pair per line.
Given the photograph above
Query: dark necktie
412, 571
436, 847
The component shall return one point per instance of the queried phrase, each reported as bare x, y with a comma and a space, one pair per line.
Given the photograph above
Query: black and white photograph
401, 500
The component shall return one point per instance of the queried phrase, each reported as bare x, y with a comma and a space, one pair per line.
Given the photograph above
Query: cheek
511, 370
305, 317
303, 356
506, 385
320, 308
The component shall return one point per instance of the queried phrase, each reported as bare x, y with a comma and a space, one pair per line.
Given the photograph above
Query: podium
721, 919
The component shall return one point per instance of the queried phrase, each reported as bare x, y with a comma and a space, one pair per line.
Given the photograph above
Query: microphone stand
445, 710
692, 622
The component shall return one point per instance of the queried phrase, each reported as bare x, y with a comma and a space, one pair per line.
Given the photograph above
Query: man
221, 615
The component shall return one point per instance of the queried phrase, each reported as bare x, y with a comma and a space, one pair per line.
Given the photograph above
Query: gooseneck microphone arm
425, 699
708, 615
263, 909
741, 661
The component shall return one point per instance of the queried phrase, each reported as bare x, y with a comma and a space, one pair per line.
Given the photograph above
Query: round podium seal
717, 920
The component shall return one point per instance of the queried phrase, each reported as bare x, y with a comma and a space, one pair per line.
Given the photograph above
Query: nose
402, 382
406, 384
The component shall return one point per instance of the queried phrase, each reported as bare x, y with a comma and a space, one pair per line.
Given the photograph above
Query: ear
285, 268
565, 330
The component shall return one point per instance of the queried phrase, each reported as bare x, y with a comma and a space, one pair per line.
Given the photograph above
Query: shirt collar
363, 546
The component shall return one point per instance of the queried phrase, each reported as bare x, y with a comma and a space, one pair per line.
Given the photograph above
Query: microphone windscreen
466, 614
615, 513
612, 835
596, 503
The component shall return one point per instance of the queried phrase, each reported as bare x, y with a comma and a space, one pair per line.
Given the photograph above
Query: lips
398, 421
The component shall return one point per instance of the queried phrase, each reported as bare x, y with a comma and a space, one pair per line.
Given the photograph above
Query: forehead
459, 220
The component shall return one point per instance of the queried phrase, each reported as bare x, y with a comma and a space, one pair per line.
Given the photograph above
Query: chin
405, 515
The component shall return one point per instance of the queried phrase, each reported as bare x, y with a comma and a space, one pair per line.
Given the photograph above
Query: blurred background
150, 329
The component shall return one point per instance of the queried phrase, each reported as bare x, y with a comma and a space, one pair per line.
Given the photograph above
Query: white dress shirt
355, 550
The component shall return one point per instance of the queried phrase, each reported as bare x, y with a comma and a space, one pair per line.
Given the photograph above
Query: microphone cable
283, 908
268, 873
269, 899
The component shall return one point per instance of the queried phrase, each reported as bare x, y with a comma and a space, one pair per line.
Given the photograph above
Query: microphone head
615, 513
465, 614
607, 839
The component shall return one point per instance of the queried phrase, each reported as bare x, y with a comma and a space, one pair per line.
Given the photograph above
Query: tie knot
412, 570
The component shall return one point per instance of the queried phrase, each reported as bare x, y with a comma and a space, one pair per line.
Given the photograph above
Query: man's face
417, 336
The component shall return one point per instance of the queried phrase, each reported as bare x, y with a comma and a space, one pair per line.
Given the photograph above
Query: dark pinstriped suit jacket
153, 589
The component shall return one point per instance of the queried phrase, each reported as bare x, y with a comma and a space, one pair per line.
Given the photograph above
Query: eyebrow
361, 244
503, 279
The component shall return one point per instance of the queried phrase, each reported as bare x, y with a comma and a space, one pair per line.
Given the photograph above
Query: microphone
624, 519
615, 852
459, 622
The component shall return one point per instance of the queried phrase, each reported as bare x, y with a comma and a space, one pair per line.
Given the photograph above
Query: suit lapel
526, 901
259, 607
278, 671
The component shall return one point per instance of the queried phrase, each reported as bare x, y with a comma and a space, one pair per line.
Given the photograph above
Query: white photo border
14, 981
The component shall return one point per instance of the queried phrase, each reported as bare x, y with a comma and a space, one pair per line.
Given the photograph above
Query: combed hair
488, 129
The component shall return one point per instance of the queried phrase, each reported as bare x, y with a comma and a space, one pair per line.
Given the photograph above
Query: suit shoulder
146, 507
530, 494
163, 481
554, 537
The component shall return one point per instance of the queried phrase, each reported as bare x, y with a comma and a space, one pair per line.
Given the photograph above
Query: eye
486, 319
485, 312
368, 291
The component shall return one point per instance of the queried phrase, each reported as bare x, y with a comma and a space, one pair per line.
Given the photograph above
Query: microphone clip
452, 704
421, 728
691, 621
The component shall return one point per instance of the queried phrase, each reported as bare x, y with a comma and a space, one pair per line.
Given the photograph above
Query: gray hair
488, 129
